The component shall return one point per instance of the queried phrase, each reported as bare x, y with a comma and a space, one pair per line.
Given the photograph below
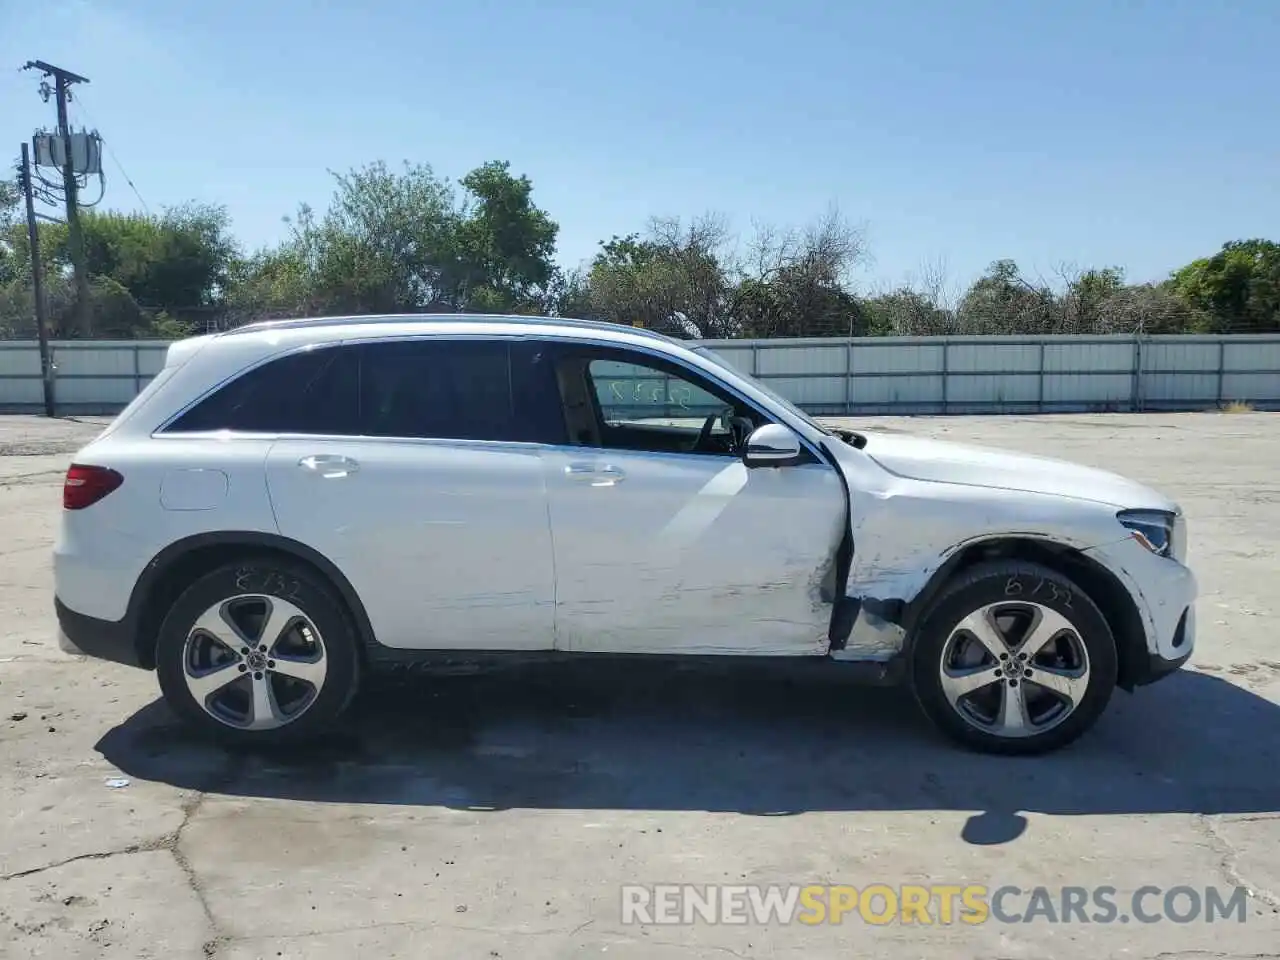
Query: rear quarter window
313, 391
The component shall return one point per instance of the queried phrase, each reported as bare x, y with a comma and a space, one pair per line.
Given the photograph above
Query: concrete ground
498, 816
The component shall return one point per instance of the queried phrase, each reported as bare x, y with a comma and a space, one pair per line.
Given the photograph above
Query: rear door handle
605, 475
328, 465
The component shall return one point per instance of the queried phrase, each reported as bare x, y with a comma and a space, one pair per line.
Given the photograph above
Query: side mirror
772, 445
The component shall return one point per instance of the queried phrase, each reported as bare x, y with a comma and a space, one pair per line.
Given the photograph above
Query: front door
664, 541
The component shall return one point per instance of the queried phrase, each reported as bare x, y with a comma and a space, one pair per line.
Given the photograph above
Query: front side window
312, 391
617, 399
633, 393
709, 354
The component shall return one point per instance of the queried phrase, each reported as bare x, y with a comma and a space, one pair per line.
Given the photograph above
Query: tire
1033, 705
260, 652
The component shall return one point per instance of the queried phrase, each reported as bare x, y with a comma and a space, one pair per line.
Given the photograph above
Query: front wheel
1014, 658
258, 652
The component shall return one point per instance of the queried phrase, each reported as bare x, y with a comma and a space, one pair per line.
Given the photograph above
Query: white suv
291, 504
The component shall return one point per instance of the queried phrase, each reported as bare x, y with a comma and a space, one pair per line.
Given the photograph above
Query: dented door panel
692, 554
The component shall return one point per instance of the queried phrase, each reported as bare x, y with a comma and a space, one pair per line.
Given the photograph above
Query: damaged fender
904, 531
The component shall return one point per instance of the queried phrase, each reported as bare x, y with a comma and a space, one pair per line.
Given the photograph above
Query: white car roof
332, 329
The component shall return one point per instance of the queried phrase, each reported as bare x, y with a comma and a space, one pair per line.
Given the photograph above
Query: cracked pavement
497, 815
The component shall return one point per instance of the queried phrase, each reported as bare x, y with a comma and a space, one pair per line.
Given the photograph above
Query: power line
114, 159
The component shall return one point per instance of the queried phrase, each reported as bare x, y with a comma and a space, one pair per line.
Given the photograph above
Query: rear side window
446, 389
314, 391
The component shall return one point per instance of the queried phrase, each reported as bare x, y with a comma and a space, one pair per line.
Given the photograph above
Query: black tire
270, 577
1012, 582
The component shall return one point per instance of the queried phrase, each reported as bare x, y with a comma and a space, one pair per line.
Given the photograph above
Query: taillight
85, 486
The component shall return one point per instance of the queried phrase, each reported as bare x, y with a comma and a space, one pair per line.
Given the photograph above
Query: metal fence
908, 375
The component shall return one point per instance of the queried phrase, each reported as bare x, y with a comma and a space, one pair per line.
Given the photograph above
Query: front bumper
1164, 592
82, 635
1179, 649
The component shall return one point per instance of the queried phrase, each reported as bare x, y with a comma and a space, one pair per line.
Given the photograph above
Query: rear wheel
1014, 658
258, 652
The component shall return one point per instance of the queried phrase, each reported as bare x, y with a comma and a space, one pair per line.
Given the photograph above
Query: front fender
907, 536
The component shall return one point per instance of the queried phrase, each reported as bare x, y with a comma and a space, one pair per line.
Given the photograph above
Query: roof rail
294, 323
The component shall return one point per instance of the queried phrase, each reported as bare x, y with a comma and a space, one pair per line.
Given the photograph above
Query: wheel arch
1102, 586
179, 564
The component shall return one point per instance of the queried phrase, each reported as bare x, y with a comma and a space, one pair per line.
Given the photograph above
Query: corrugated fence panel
19, 375
1089, 374
151, 359
97, 372
906, 391
896, 356
994, 373
738, 358
774, 360
1072, 355
1178, 370
1259, 389
1254, 355
822, 394
833, 375
1248, 371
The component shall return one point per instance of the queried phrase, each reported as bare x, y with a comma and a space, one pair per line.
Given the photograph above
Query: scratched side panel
693, 555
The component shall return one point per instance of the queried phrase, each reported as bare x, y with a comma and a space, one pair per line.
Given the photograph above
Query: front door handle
330, 466
598, 475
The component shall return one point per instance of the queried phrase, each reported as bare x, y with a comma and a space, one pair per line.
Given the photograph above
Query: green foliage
672, 280
504, 243
407, 240
905, 312
1238, 288
385, 245
403, 241
10, 198
140, 266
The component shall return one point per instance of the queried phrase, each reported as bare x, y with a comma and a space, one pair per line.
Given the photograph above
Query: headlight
1154, 529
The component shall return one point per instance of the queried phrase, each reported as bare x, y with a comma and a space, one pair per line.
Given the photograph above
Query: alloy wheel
254, 662
1014, 669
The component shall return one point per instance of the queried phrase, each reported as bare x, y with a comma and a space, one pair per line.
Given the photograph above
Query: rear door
665, 542
425, 495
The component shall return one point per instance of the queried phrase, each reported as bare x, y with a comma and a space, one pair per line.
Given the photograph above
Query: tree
271, 284
1149, 309
10, 197
386, 243
906, 313
796, 283
1238, 287
505, 244
402, 241
175, 265
1003, 301
673, 279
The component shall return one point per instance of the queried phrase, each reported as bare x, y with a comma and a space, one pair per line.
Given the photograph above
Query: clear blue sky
1134, 132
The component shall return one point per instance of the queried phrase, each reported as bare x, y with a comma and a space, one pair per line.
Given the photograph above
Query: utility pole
37, 283
62, 83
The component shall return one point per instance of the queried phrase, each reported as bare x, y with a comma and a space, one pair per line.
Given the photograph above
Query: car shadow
747, 739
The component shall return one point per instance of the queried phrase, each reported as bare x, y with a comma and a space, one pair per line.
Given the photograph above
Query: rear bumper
114, 640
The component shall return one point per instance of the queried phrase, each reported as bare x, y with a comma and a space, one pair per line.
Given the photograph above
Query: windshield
773, 395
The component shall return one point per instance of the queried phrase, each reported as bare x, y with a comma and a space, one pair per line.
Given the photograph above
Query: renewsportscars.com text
928, 904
